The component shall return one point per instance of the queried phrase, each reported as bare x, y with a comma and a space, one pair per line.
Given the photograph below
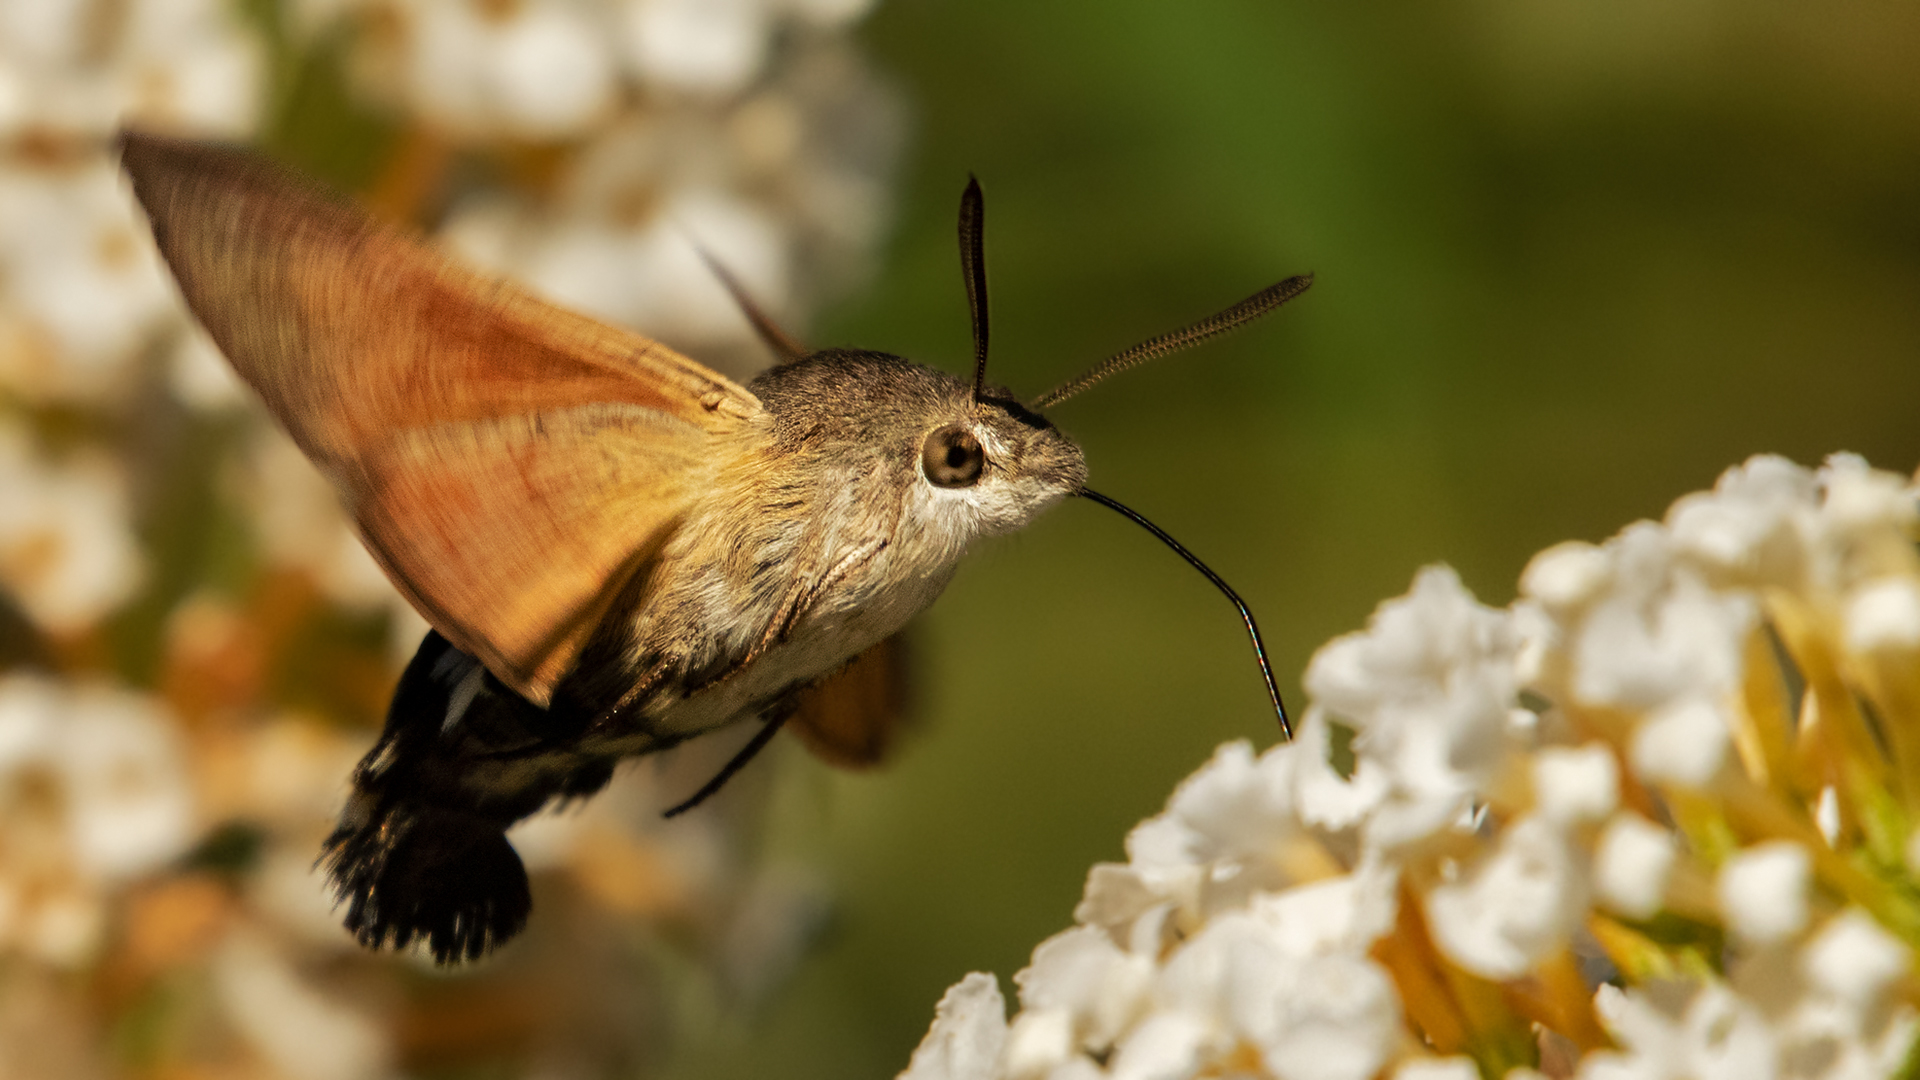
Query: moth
617, 548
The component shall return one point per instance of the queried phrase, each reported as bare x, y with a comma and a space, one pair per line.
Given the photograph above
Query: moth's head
965, 466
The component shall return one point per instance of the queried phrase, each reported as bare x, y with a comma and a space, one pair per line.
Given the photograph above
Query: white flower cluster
1649, 822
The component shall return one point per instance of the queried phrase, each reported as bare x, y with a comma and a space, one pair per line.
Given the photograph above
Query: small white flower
1661, 633
130, 802
1339, 1019
1752, 525
703, 46
81, 287
1082, 973
1684, 743
1631, 865
1862, 501
539, 69
67, 551
968, 1034
1165, 1046
93, 791
1854, 959
1038, 1042
1884, 616
1428, 688
1763, 891
1567, 575
1572, 785
304, 1033
1513, 909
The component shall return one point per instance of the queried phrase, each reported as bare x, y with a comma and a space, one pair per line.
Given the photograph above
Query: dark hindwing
853, 717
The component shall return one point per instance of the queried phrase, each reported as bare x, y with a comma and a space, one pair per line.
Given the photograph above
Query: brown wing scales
853, 717
509, 463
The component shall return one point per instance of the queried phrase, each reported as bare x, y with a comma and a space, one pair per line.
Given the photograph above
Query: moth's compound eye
952, 457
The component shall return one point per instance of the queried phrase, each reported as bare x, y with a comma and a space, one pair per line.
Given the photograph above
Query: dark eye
952, 457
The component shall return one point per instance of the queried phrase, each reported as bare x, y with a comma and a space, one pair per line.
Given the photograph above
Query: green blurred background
1573, 260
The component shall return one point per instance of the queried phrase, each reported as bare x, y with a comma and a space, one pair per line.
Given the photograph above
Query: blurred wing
510, 464
852, 717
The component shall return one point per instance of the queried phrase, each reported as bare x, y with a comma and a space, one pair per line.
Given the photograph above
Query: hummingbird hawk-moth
617, 548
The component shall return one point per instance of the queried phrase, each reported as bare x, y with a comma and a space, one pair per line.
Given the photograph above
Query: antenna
973, 267
1246, 616
784, 345
1184, 338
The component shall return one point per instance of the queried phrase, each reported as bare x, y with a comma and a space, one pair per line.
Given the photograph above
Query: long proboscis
1184, 338
1246, 614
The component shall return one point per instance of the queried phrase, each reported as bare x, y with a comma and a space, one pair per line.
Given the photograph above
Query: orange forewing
852, 717
510, 464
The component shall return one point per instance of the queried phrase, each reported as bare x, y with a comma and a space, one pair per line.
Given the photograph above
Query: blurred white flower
1630, 865
703, 46
81, 288
536, 69
94, 791
304, 1033
67, 551
1763, 891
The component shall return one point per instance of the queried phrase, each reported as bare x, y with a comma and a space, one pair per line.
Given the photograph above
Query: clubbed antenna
973, 266
1246, 615
784, 345
1184, 338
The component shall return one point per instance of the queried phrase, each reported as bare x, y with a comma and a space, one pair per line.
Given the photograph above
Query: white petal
1854, 959
1573, 785
1727, 1038
968, 1033
1884, 616
1165, 1046
1515, 907
1683, 743
1763, 891
1631, 864
1341, 1022
1567, 575
1039, 1041
1084, 974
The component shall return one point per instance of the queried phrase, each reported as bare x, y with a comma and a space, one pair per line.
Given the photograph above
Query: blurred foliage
1573, 260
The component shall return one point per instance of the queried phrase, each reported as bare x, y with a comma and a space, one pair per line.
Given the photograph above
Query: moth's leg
772, 718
